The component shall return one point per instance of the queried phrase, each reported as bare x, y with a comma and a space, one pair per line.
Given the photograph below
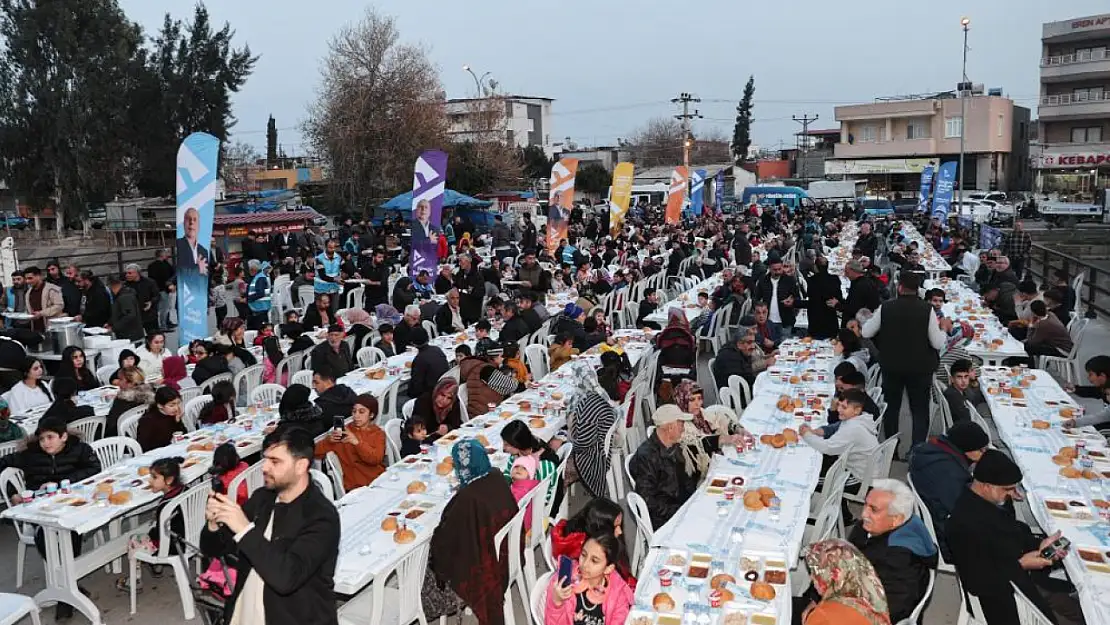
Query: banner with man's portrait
196, 204
560, 201
428, 183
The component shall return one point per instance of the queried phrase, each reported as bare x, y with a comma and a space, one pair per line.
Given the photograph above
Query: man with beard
286, 537
376, 274
96, 304
146, 291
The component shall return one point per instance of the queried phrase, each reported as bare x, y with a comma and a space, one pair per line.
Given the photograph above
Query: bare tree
487, 158
710, 146
238, 163
659, 142
378, 108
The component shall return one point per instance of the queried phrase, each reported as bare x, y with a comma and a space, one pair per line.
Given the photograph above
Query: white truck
836, 190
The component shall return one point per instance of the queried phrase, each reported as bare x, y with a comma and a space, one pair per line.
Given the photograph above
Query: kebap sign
1077, 159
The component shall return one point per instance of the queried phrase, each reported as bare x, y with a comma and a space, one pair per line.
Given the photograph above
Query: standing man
741, 246
286, 537
162, 272
909, 339
71, 295
147, 293
258, 295
376, 274
780, 291
328, 263
44, 300
96, 303
862, 293
126, 320
867, 243
1017, 248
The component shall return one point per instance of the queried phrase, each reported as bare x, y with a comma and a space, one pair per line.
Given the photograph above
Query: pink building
890, 141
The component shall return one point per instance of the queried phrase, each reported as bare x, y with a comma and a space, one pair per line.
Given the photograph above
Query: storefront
1074, 176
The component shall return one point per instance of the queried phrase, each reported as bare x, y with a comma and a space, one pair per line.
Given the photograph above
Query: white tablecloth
993, 342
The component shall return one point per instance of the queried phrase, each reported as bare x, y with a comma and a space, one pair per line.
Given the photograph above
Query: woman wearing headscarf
439, 409
463, 565
851, 593
711, 429
297, 409
358, 324
174, 374
676, 344
591, 417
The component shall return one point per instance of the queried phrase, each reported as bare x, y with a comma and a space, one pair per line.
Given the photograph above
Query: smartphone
1057, 549
565, 567
217, 485
337, 425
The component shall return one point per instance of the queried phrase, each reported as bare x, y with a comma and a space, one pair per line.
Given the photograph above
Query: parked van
793, 197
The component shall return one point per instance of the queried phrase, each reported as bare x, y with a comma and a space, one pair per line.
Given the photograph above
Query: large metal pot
61, 335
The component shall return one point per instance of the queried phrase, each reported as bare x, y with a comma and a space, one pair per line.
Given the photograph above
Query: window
1087, 94
882, 134
1001, 124
1096, 53
1092, 134
867, 134
953, 127
916, 129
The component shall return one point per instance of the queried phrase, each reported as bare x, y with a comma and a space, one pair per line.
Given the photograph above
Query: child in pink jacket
595, 594
523, 476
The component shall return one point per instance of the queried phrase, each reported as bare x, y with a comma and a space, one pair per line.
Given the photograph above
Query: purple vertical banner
719, 191
428, 182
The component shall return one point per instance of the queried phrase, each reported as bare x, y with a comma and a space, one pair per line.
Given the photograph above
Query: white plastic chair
878, 463
9, 448
113, 449
431, 329
190, 393
370, 356
406, 409
90, 428
11, 481
741, 392
302, 377
644, 529
874, 376
192, 411
978, 419
306, 295
335, 472
246, 381
323, 482
191, 506
1028, 614
1067, 364
104, 374
128, 423
510, 534
393, 440
829, 519
927, 518
268, 394
536, 357
628, 472
915, 616
251, 476
14, 608
538, 601
463, 395
366, 608
206, 386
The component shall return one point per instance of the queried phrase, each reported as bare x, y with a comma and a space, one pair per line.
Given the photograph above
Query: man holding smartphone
991, 548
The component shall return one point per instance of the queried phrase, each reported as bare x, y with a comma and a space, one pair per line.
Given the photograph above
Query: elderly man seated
410, 320
896, 543
658, 466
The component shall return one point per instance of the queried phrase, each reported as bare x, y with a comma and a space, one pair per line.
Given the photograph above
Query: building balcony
904, 147
1074, 67
1068, 106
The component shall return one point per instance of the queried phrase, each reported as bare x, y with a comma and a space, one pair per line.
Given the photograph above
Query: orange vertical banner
677, 194
560, 201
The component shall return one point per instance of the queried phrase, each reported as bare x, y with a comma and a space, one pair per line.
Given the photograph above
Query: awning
242, 224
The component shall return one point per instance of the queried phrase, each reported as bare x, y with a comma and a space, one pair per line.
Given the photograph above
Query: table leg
61, 575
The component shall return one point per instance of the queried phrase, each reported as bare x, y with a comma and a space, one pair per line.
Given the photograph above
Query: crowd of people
771, 268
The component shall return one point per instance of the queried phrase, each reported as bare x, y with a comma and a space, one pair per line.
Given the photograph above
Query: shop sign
1077, 159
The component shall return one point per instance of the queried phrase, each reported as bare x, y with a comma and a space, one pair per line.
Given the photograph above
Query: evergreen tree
271, 141
742, 131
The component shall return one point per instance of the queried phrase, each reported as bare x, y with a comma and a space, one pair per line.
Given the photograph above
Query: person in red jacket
600, 516
227, 465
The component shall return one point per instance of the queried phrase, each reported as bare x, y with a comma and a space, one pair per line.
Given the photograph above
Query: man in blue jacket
941, 470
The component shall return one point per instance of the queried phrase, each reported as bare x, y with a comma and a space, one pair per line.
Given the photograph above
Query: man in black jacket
96, 307
376, 272
867, 242
531, 317
334, 400
941, 470
333, 353
429, 365
862, 293
450, 317
742, 247
735, 358
992, 549
658, 467
780, 291
146, 292
126, 319
286, 538
515, 328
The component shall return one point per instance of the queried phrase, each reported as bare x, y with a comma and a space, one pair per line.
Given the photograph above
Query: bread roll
1071, 472
120, 498
662, 602
720, 579
1063, 461
763, 591
444, 468
752, 501
404, 536
389, 523
537, 423
417, 487
778, 441
1041, 425
144, 470
790, 435
1069, 452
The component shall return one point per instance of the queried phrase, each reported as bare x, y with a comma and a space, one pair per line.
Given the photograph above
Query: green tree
742, 131
467, 171
68, 70
192, 72
592, 178
536, 165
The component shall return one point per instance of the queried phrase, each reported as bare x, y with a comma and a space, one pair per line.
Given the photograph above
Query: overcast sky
612, 64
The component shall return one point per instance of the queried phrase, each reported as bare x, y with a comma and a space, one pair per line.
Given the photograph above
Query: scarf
173, 371
448, 386
591, 418
358, 316
848, 578
471, 461
676, 318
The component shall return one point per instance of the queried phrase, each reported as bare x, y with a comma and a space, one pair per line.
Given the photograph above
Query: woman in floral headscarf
463, 566
711, 429
851, 593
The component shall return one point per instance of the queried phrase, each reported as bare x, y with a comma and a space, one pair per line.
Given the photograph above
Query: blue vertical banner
942, 197
428, 181
926, 189
196, 204
697, 191
719, 191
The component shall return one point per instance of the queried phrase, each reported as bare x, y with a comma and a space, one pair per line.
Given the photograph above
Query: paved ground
159, 602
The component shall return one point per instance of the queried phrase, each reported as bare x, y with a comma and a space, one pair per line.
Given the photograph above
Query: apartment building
890, 141
1073, 150
517, 120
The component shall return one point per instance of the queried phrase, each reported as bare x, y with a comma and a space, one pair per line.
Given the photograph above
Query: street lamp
477, 81
965, 22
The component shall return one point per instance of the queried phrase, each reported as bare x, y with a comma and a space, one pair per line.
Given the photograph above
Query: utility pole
805, 121
686, 116
964, 89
